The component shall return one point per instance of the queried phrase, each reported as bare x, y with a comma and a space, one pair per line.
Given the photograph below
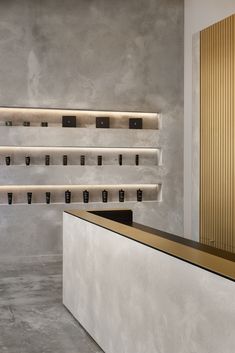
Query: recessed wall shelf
15, 155
85, 118
41, 161
150, 192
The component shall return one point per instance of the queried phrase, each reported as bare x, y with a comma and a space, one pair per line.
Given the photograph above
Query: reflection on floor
32, 317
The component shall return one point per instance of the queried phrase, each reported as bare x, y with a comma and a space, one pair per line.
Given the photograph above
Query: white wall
199, 14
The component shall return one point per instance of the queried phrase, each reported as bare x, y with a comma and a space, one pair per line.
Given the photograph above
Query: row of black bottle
68, 195
65, 160
26, 123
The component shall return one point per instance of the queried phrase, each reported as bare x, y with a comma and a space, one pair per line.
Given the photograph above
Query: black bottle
136, 159
29, 197
44, 124
85, 196
139, 195
65, 159
9, 196
82, 160
26, 123
48, 197
47, 159
104, 196
8, 123
8, 160
67, 195
120, 159
27, 160
99, 160
121, 195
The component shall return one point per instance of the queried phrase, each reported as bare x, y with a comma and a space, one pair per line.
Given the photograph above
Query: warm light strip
92, 186
102, 149
79, 112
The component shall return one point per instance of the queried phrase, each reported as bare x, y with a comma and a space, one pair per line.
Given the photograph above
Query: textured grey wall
97, 54
124, 55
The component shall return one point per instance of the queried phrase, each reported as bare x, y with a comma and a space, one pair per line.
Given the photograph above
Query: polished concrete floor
32, 317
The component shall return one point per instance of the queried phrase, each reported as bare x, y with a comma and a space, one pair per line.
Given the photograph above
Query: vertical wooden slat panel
217, 135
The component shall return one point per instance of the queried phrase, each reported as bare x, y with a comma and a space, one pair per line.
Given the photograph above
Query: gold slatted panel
217, 135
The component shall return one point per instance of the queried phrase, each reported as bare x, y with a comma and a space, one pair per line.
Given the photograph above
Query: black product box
102, 122
69, 121
135, 123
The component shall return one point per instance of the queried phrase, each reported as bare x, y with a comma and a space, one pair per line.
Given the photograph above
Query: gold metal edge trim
196, 257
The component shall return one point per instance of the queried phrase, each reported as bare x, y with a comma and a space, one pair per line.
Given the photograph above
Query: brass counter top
208, 258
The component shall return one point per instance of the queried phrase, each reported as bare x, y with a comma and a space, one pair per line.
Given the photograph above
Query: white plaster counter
133, 298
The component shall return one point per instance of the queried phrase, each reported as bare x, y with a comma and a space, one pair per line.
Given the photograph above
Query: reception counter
136, 289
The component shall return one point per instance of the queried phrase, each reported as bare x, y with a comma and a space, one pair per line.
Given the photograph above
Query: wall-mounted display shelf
21, 194
24, 155
24, 117
47, 161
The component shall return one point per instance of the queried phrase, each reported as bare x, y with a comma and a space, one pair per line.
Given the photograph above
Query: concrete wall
199, 14
134, 299
114, 55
